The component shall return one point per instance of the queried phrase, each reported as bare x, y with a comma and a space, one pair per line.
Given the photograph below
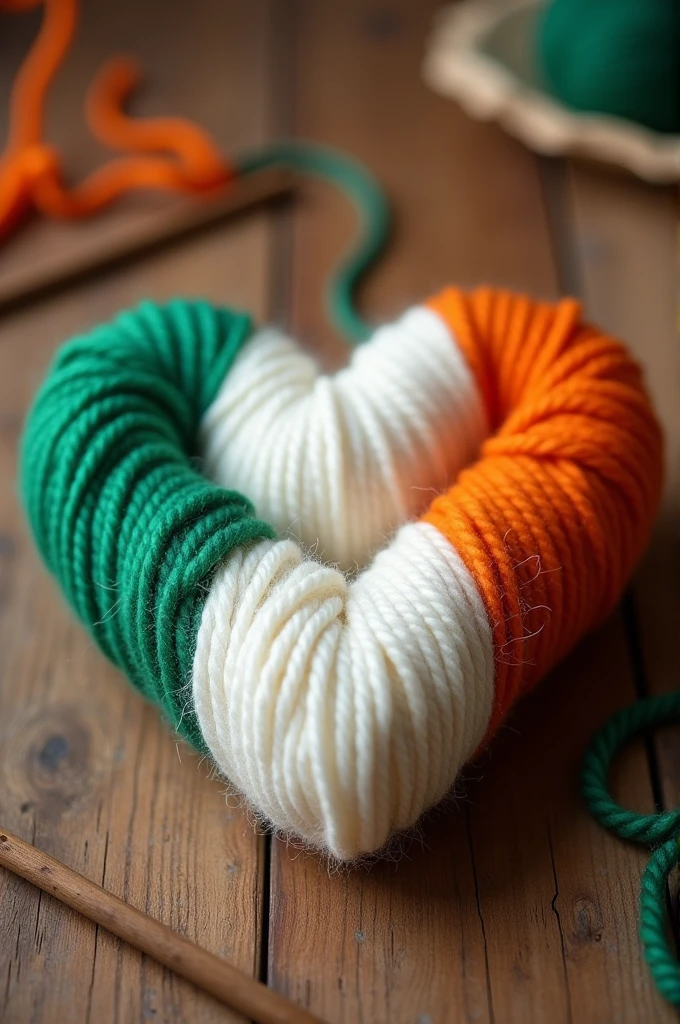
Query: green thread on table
352, 178
649, 829
113, 491
664, 967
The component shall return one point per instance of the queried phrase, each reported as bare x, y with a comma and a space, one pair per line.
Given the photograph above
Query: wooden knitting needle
178, 222
205, 970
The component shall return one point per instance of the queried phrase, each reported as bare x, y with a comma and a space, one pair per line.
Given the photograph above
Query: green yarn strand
649, 829
119, 510
369, 200
664, 968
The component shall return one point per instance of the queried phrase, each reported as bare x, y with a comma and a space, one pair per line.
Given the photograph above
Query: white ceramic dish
481, 54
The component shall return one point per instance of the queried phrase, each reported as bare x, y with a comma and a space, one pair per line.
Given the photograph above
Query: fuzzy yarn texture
482, 477
340, 461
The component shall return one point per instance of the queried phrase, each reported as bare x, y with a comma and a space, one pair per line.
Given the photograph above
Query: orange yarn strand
538, 519
30, 172
39, 68
202, 162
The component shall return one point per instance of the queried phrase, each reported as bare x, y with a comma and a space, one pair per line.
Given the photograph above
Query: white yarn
341, 461
342, 710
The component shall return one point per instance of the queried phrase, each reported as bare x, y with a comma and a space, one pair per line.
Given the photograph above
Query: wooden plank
417, 143
182, 221
624, 246
624, 242
514, 906
87, 770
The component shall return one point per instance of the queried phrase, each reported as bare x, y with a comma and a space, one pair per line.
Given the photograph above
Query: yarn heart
342, 707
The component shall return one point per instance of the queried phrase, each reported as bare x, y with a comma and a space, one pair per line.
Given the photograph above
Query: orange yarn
553, 517
30, 170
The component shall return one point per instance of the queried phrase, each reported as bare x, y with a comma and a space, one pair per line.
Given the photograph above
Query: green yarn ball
615, 57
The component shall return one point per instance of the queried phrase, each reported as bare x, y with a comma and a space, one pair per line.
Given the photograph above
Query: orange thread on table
172, 153
553, 517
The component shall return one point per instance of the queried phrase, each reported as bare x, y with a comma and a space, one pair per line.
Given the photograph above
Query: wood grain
87, 770
181, 222
431, 159
624, 245
511, 905
210, 973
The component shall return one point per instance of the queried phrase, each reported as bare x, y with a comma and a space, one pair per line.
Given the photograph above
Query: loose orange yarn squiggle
553, 517
30, 169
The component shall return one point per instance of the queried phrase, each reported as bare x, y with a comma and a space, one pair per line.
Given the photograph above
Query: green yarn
615, 57
113, 494
650, 829
363, 190
664, 967
621, 727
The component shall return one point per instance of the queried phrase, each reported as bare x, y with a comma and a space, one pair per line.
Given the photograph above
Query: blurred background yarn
615, 57
598, 80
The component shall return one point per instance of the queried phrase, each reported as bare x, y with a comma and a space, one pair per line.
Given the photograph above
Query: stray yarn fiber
341, 706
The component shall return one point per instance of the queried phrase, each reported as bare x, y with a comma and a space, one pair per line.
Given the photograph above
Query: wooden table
512, 905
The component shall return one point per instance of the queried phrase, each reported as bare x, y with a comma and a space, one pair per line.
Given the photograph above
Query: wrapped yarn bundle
183, 474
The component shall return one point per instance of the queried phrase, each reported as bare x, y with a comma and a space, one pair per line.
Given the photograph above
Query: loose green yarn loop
352, 178
650, 829
621, 727
118, 507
